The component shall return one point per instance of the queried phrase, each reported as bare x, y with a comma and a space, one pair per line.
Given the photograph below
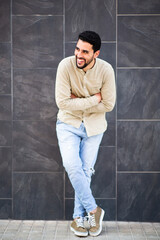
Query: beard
86, 63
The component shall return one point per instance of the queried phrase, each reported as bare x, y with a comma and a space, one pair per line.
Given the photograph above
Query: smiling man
85, 91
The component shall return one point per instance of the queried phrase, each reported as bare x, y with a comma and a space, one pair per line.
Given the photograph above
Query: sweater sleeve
108, 93
63, 93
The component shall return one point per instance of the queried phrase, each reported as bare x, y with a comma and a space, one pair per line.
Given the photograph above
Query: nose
79, 54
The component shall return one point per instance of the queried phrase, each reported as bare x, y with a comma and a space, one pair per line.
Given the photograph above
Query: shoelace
91, 220
80, 222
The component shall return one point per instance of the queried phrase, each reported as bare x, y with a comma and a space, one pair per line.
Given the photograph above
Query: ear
96, 54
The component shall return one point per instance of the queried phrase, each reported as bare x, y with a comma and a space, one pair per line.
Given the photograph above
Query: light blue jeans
79, 154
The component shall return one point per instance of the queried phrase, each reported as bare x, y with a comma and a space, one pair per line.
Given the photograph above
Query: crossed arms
103, 101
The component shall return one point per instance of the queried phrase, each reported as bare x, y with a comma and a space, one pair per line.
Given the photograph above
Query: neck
91, 65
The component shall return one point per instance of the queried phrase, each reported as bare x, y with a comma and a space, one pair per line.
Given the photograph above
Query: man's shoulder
103, 63
68, 61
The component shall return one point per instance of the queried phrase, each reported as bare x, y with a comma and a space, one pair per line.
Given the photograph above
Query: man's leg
79, 210
69, 143
89, 147
89, 151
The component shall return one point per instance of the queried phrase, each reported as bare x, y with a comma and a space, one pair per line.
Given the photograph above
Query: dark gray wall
34, 37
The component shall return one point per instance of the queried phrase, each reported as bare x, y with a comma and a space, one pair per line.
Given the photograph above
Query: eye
77, 48
85, 51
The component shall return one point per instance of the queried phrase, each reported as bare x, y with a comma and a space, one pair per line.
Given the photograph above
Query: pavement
60, 230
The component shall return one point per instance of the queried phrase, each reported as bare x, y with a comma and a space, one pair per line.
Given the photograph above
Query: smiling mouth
80, 61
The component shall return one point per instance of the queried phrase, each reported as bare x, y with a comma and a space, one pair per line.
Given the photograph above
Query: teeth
80, 61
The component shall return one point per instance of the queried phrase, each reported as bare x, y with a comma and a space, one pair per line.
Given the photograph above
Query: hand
99, 96
73, 96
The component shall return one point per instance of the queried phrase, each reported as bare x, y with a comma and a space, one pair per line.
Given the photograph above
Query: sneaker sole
79, 234
100, 228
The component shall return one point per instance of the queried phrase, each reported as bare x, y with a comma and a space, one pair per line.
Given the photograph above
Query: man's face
85, 56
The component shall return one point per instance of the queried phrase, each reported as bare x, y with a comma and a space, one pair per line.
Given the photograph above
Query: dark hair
91, 37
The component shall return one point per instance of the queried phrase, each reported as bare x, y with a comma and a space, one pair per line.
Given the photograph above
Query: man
85, 90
